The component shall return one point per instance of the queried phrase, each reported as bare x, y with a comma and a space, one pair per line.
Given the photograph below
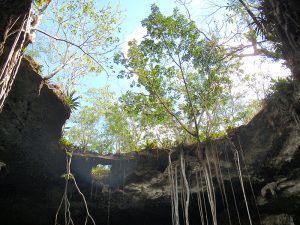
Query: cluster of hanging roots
17, 28
63, 214
210, 178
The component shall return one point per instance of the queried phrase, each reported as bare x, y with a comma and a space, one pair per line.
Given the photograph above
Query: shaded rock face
138, 190
30, 128
282, 19
268, 149
281, 219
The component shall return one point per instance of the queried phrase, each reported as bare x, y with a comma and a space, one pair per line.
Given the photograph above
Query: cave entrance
101, 176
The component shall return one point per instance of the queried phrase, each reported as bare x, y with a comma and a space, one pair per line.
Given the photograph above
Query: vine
65, 203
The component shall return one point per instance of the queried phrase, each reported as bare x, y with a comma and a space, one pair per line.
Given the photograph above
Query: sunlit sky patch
202, 11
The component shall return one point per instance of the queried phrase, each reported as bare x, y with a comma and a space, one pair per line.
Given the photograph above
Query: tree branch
169, 111
43, 9
251, 14
179, 65
71, 43
174, 116
184, 3
60, 67
189, 97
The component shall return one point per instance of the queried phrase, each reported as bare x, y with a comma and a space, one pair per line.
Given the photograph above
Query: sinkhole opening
101, 178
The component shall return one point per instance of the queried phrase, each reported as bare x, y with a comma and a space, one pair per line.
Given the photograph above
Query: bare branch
251, 14
80, 47
174, 116
68, 42
179, 65
184, 4
189, 97
60, 67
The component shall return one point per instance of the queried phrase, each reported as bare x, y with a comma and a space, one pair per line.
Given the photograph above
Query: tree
78, 38
186, 77
149, 119
252, 27
101, 125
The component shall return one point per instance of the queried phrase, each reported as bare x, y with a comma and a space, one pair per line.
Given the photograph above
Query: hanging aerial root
65, 201
174, 191
12, 63
250, 182
232, 189
185, 188
221, 181
210, 188
239, 170
209, 178
199, 198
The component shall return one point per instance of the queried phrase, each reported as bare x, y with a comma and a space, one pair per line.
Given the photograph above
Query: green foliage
185, 76
150, 144
181, 92
254, 26
72, 101
87, 34
144, 108
39, 3
65, 143
250, 110
100, 170
279, 85
101, 125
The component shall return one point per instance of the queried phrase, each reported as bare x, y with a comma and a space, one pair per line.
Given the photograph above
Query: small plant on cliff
65, 143
279, 85
72, 100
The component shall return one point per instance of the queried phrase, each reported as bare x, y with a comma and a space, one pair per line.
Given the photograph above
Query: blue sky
134, 11
137, 10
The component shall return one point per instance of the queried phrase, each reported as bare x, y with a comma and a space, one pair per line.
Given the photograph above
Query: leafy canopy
76, 38
182, 90
186, 77
101, 125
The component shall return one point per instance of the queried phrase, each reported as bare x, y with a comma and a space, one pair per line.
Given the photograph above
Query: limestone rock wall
269, 152
30, 128
138, 190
